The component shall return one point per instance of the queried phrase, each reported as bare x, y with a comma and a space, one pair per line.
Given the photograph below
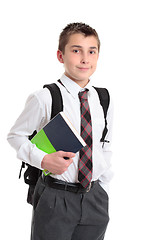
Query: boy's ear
60, 56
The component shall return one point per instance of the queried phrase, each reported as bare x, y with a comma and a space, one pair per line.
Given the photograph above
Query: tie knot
83, 95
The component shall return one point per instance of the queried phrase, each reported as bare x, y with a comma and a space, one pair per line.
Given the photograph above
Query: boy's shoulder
42, 96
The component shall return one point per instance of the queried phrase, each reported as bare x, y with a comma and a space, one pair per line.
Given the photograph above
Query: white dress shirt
37, 113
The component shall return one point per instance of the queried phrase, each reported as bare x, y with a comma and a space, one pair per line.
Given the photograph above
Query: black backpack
32, 174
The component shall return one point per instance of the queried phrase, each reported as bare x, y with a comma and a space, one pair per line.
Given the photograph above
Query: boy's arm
32, 118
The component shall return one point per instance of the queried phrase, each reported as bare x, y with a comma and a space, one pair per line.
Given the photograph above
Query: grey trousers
63, 215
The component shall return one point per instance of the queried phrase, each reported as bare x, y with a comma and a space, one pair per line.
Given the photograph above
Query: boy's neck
81, 83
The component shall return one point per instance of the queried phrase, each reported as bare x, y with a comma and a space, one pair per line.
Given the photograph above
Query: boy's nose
84, 59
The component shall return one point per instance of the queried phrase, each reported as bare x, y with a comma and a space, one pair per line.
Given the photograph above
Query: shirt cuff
30, 154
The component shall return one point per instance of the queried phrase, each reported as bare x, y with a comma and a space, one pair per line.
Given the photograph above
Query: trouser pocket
39, 190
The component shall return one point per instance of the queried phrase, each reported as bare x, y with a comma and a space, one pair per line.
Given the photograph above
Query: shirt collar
72, 87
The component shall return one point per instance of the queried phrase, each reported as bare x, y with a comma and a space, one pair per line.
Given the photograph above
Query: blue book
58, 134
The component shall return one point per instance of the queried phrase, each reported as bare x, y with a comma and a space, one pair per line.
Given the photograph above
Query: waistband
67, 186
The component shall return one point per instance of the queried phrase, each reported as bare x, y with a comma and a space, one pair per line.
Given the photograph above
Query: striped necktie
85, 161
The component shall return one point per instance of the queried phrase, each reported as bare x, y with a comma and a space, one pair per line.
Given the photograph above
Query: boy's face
80, 58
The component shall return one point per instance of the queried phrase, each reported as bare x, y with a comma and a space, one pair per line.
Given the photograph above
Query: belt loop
65, 186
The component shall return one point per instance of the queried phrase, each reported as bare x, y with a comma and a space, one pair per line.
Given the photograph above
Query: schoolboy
60, 214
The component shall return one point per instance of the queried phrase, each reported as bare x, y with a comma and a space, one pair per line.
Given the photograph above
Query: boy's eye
92, 52
76, 51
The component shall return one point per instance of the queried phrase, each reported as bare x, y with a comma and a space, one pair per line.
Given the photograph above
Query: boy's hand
55, 162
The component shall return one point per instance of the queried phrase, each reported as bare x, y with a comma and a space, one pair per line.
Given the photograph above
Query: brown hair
74, 28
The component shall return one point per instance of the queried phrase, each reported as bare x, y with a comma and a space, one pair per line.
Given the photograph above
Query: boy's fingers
67, 154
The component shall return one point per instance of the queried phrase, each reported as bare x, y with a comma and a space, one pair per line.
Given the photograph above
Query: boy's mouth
83, 68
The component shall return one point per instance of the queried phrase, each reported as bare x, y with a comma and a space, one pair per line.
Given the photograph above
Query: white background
129, 66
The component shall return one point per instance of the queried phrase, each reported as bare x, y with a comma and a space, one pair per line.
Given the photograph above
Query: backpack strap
104, 98
57, 101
